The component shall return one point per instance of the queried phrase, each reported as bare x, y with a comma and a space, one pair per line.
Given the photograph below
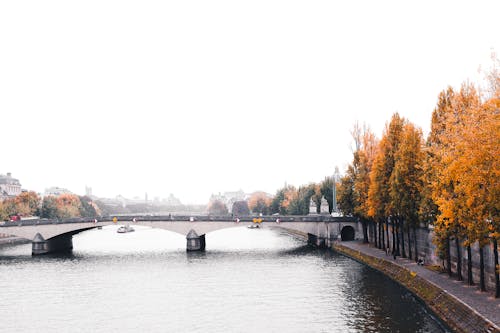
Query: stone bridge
56, 235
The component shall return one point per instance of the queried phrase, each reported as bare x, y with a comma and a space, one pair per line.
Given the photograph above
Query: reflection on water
257, 280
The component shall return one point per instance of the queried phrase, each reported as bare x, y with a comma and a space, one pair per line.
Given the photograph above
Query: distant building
9, 187
88, 191
56, 191
229, 198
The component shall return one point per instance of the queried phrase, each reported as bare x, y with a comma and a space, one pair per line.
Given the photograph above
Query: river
247, 280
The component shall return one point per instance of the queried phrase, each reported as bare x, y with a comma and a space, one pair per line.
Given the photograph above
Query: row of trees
288, 200
451, 180
51, 207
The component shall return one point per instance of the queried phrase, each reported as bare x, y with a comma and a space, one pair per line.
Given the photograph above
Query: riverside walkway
483, 303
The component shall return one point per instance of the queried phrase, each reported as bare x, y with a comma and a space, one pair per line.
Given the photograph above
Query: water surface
258, 280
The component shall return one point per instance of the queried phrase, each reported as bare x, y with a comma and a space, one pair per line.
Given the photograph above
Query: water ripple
246, 281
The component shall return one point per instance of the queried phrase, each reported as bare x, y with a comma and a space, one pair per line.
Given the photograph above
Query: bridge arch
347, 233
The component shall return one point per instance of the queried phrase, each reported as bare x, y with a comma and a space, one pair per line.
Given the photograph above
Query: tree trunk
415, 242
409, 242
402, 230
372, 232
459, 259
375, 240
365, 231
393, 237
370, 238
448, 256
469, 266
497, 268
382, 226
380, 235
398, 253
387, 234
482, 284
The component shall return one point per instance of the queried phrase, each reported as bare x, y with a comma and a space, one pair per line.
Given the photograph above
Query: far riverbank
462, 307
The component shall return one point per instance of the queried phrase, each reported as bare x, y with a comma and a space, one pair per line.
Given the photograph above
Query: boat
124, 228
253, 226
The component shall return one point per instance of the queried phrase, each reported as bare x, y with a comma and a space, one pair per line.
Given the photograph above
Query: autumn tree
353, 188
240, 208
377, 197
217, 207
381, 207
296, 201
68, 205
276, 206
489, 136
88, 208
49, 207
259, 203
28, 203
292, 201
9, 206
436, 144
475, 172
4, 216
447, 131
364, 158
406, 182
345, 193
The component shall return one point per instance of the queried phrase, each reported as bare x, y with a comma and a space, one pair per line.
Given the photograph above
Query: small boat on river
253, 226
124, 229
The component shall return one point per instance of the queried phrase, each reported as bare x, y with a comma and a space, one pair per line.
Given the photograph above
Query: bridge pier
318, 241
61, 243
195, 242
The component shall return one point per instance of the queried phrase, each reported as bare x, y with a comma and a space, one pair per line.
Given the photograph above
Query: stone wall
427, 251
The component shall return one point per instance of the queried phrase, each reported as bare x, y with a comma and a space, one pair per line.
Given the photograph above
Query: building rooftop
8, 180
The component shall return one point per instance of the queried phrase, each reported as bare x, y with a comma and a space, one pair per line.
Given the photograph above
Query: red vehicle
14, 218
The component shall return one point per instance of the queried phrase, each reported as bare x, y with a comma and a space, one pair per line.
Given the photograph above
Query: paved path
482, 302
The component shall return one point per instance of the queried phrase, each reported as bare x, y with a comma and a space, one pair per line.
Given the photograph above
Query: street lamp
336, 177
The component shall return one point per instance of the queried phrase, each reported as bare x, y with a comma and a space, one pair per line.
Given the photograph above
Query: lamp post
334, 191
336, 176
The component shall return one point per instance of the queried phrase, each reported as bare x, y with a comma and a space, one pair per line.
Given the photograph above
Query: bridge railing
183, 218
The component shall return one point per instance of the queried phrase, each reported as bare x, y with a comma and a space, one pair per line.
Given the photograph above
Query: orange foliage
259, 202
68, 205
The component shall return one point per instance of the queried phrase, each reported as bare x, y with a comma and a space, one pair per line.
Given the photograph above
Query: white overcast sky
200, 97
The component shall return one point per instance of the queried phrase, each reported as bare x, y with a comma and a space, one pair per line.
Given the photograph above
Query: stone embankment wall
8, 239
451, 310
427, 251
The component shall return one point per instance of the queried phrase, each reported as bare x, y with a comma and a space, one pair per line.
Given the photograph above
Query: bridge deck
183, 218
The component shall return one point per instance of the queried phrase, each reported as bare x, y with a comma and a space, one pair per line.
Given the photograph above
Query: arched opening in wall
347, 233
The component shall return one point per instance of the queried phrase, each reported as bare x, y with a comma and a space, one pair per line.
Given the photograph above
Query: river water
248, 280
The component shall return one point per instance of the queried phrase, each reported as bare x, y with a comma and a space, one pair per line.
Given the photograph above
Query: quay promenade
463, 307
